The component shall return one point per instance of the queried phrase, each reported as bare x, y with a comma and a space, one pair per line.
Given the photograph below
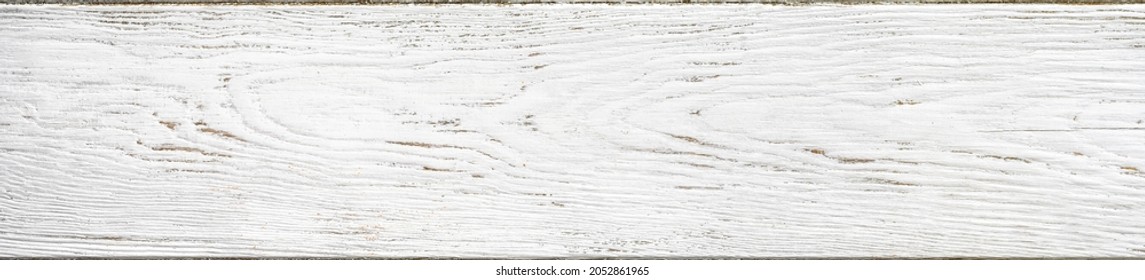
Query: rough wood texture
573, 131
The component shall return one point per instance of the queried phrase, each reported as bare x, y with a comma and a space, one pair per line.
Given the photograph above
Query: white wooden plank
572, 131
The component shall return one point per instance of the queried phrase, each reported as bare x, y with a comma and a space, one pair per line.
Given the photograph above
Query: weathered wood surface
572, 131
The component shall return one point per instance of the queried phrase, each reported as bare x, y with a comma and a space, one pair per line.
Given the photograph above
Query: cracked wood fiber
573, 131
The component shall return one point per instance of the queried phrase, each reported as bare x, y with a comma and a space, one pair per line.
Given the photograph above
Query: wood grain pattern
572, 131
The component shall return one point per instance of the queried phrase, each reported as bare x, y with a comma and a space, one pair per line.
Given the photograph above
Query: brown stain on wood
889, 182
169, 148
854, 160
420, 144
844, 160
221, 133
169, 124
906, 102
427, 168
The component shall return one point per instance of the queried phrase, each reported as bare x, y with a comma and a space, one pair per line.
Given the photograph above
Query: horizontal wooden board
573, 131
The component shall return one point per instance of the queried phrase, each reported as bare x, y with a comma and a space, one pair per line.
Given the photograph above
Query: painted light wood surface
572, 131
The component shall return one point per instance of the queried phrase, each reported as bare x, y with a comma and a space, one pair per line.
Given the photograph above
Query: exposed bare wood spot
169, 124
420, 144
221, 133
901, 161
177, 148
458, 130
170, 148
816, 151
675, 152
697, 165
106, 237
688, 138
696, 79
709, 63
1005, 158
449, 122
693, 140
182, 170
906, 102
888, 182
854, 160
427, 168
